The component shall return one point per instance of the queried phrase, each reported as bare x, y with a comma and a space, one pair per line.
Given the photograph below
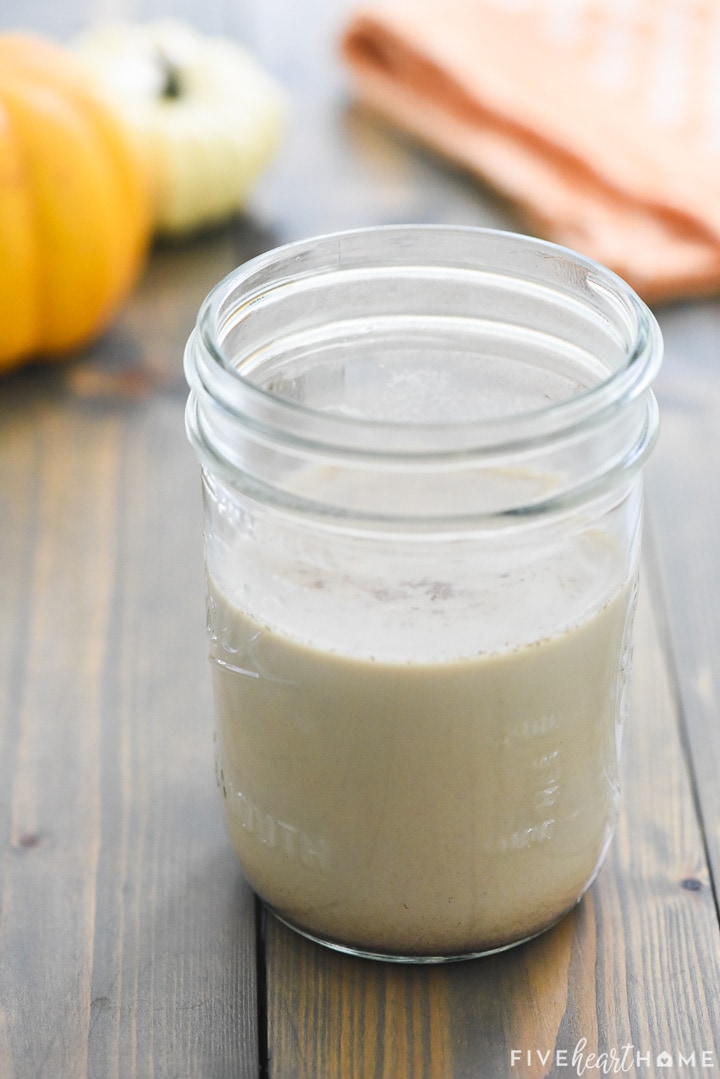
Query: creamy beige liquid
420, 808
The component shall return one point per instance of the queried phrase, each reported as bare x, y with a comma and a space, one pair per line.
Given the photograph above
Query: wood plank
50, 765
684, 508
637, 963
126, 933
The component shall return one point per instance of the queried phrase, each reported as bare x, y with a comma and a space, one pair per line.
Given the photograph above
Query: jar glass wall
421, 451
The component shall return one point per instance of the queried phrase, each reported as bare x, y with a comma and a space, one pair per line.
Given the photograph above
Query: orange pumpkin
74, 203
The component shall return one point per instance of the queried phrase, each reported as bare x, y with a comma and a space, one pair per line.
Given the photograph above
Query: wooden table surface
130, 945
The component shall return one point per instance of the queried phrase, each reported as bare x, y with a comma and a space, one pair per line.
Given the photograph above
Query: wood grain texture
684, 510
127, 938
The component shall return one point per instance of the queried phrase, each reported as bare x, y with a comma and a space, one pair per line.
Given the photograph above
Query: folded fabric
599, 118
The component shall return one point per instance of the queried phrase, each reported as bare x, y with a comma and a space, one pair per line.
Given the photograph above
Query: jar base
420, 960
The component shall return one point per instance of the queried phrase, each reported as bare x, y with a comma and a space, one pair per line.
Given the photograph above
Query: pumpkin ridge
18, 294
86, 222
70, 235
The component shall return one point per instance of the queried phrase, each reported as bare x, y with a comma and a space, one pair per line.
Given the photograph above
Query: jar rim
574, 322
217, 373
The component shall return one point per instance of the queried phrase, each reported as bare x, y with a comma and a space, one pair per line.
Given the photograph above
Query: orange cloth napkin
599, 118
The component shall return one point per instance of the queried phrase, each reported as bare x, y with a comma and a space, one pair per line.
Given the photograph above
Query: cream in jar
390, 785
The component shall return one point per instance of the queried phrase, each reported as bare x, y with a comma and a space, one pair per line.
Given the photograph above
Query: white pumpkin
208, 117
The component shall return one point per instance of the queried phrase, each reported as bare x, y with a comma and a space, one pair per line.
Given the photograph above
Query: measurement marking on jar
534, 727
528, 837
226, 666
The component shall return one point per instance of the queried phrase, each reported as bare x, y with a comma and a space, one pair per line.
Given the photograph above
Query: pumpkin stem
172, 84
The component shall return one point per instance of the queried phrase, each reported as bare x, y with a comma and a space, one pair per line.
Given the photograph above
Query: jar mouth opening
423, 373
241, 343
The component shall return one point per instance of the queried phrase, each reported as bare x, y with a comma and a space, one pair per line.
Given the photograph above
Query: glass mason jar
421, 452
